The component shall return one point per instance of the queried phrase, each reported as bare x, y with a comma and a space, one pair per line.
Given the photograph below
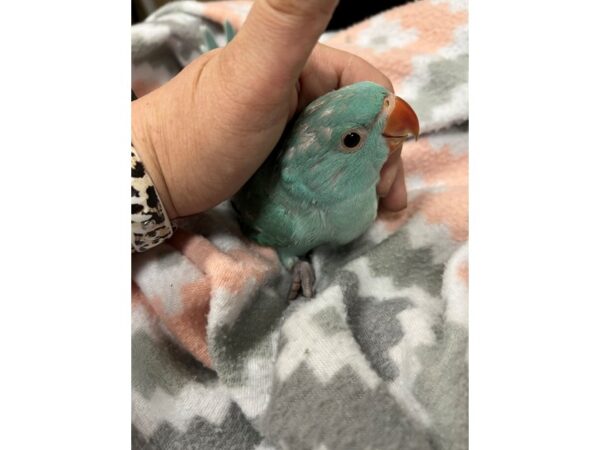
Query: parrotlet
318, 186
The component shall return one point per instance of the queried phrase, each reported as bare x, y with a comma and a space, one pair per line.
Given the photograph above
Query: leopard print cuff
149, 222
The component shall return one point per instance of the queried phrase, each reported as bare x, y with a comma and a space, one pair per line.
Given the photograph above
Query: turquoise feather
229, 31
314, 190
210, 41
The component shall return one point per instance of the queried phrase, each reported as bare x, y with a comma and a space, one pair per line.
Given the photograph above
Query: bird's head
342, 139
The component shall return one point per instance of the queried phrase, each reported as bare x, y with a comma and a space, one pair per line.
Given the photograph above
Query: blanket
378, 359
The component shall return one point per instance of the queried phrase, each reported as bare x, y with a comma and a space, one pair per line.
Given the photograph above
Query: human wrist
142, 141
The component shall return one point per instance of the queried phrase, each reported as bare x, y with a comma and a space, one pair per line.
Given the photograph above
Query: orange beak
401, 123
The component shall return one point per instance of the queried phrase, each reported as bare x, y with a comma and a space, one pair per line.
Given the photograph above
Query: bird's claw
303, 278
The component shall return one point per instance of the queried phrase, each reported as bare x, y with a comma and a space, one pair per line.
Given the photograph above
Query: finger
329, 68
357, 69
388, 174
277, 38
396, 200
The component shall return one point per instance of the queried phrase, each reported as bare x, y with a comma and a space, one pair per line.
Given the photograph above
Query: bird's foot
303, 278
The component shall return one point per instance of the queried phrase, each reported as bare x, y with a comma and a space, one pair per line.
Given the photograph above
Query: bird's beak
401, 123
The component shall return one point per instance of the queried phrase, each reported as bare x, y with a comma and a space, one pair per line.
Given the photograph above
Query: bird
318, 186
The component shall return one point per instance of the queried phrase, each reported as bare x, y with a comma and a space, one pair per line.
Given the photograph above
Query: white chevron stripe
455, 290
436, 237
382, 288
253, 396
210, 403
326, 355
141, 320
417, 325
226, 306
459, 101
161, 273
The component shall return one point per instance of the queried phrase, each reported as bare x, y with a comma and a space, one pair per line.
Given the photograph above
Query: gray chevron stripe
163, 364
235, 433
342, 414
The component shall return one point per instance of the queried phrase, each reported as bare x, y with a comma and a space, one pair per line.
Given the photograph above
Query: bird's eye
351, 139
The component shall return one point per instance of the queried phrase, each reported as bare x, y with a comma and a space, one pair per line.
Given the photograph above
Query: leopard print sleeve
150, 225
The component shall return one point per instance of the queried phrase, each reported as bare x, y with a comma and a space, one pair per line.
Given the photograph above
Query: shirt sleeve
150, 225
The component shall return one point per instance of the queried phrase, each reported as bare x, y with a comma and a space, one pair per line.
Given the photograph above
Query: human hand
204, 133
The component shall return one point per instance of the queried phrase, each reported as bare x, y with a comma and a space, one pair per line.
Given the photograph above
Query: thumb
275, 42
